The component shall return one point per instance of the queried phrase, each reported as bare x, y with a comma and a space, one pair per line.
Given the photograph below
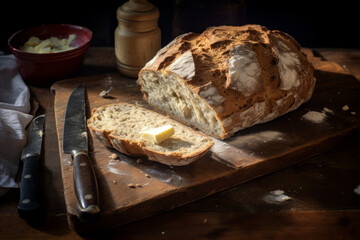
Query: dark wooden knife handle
29, 205
86, 188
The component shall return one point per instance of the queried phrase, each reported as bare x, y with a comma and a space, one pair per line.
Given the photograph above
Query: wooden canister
137, 37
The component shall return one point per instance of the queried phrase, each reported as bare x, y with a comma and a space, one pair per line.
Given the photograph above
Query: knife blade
29, 205
75, 142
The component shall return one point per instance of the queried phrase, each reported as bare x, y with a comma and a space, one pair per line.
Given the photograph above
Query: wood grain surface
251, 153
323, 203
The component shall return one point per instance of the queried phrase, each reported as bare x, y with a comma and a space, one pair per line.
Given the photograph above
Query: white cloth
14, 117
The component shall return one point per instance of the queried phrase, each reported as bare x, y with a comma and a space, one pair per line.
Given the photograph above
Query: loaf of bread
120, 125
228, 78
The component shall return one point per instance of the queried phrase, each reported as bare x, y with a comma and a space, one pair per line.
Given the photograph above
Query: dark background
329, 24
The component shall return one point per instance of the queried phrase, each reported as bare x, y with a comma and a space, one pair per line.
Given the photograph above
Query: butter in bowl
49, 45
50, 52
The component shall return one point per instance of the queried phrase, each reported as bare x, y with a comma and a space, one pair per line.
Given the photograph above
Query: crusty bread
120, 125
228, 78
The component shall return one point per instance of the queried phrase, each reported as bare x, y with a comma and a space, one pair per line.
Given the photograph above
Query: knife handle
29, 205
86, 189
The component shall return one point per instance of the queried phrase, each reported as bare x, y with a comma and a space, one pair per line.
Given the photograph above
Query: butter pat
158, 135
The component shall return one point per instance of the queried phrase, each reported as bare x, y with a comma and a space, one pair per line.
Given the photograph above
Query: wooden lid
138, 10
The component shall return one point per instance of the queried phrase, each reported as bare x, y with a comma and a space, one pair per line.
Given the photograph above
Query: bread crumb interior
126, 121
169, 93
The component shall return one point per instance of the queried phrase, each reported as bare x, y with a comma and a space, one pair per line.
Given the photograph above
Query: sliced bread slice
120, 125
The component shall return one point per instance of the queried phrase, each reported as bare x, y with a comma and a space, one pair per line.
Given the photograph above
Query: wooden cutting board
251, 153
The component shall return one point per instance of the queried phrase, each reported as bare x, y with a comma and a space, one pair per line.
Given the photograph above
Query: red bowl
43, 69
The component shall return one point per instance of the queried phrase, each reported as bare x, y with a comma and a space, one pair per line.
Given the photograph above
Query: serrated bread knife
75, 142
29, 205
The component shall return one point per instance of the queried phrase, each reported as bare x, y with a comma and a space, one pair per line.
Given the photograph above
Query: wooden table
323, 205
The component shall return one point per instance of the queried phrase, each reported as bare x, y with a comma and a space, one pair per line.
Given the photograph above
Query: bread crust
284, 79
139, 148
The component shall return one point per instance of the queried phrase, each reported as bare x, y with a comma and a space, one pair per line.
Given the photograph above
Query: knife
29, 207
75, 142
